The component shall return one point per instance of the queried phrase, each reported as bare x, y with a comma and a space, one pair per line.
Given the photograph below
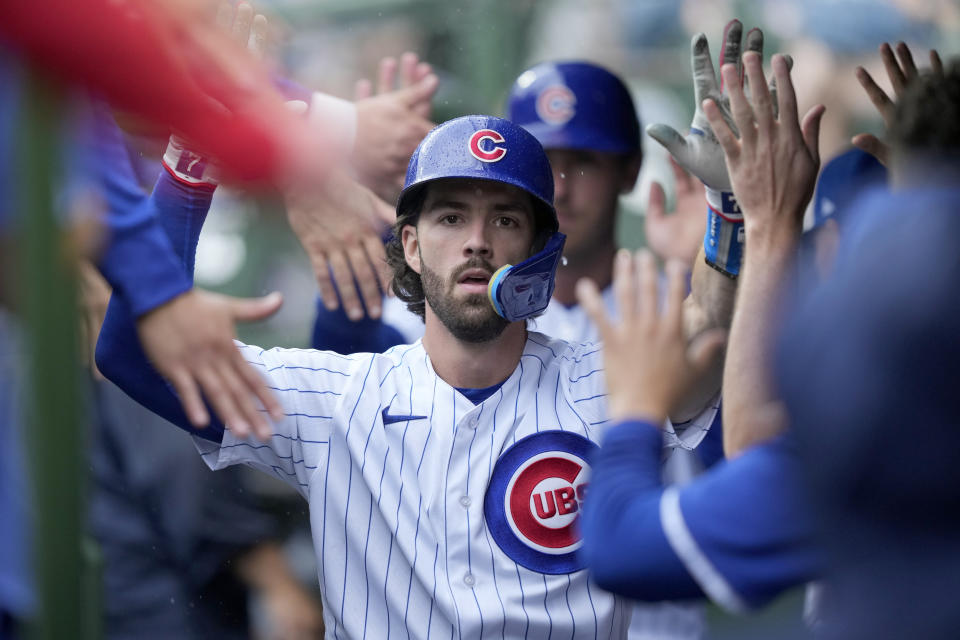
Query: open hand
900, 74
676, 236
648, 364
189, 340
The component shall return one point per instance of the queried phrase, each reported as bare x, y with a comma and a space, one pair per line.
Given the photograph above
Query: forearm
624, 545
751, 410
708, 306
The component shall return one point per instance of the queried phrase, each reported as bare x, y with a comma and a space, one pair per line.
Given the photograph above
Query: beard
470, 318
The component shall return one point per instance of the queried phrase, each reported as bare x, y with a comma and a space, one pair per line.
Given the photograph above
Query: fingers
242, 22
220, 397
657, 204
420, 93
253, 309
408, 69
704, 77
786, 96
810, 130
259, 36
936, 65
343, 276
874, 146
225, 15
671, 140
646, 268
256, 383
906, 61
774, 92
325, 288
386, 75
624, 288
366, 277
377, 255
728, 141
730, 49
241, 399
897, 78
755, 41
878, 97
190, 397
740, 110
762, 109
362, 90
592, 303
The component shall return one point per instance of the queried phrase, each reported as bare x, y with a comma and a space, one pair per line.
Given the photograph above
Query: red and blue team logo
533, 503
483, 146
556, 104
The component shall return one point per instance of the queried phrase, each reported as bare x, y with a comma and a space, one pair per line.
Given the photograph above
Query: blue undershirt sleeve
181, 210
624, 545
334, 331
138, 260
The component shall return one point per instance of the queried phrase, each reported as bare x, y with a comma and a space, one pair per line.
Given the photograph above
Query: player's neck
470, 365
597, 264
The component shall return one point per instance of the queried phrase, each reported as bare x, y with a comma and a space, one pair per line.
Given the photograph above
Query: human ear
411, 246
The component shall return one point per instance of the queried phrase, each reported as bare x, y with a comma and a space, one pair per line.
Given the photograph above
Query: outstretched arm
773, 166
739, 534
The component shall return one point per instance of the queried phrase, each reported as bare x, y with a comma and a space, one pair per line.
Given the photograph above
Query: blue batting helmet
484, 148
575, 105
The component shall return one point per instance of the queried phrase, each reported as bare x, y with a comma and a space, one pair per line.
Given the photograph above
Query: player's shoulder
571, 356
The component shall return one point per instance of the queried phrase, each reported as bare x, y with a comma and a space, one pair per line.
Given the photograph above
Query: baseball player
445, 477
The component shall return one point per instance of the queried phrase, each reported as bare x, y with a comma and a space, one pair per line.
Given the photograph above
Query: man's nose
478, 241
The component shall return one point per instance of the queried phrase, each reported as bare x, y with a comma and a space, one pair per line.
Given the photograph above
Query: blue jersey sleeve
181, 210
138, 260
741, 533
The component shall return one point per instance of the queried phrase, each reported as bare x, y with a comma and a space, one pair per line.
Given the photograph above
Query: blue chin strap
520, 291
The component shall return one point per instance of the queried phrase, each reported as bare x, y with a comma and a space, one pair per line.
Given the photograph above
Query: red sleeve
167, 65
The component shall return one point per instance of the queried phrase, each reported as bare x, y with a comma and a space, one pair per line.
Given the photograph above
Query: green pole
54, 416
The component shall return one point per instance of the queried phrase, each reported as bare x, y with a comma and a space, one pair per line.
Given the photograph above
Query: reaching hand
698, 152
773, 164
901, 74
340, 225
649, 367
391, 124
190, 342
677, 236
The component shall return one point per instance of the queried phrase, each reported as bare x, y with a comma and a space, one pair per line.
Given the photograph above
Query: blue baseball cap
575, 105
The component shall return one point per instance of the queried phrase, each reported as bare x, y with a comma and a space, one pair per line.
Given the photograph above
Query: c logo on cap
555, 104
476, 145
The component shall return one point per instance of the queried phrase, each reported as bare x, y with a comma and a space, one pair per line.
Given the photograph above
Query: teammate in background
423, 465
841, 181
876, 350
742, 532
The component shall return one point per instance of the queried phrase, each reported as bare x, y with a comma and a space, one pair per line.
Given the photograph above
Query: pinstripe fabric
397, 511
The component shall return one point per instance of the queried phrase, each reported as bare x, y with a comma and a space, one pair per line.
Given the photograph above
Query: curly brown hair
927, 116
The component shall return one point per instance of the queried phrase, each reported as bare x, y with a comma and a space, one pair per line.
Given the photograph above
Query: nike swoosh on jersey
390, 419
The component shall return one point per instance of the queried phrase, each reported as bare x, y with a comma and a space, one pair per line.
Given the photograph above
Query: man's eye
450, 219
506, 221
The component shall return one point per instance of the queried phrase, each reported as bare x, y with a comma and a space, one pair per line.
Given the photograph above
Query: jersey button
469, 580
465, 501
472, 422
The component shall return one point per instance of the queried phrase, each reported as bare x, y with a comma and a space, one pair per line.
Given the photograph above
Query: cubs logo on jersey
483, 146
556, 104
533, 502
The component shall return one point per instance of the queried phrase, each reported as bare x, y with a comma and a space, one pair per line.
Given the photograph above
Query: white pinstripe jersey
396, 464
